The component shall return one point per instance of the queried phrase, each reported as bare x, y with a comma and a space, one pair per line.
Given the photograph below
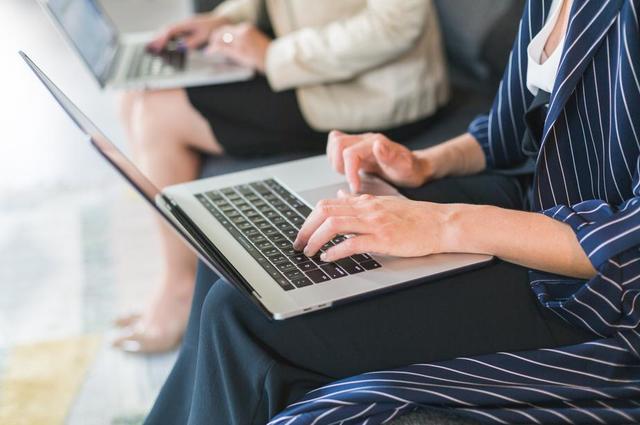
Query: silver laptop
242, 226
122, 60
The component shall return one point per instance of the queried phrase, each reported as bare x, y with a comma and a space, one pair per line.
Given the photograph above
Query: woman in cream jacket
356, 65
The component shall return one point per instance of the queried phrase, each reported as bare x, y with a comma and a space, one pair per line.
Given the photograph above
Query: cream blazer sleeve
237, 11
342, 49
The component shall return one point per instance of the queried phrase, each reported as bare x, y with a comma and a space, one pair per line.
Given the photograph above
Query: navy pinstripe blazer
588, 176
588, 167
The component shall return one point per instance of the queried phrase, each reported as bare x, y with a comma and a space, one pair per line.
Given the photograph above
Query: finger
334, 150
217, 46
353, 158
352, 171
394, 160
218, 43
338, 142
192, 42
320, 213
342, 194
353, 245
330, 228
163, 38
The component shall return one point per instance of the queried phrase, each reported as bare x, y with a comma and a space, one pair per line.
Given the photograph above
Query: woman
350, 64
580, 236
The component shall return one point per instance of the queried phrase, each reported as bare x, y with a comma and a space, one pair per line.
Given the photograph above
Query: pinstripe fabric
588, 176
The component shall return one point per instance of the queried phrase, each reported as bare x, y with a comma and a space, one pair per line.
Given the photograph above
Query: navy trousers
237, 367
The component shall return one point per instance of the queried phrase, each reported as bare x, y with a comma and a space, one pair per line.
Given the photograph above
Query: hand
194, 32
374, 153
244, 43
382, 225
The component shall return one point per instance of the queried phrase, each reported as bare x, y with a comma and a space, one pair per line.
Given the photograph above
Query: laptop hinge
234, 277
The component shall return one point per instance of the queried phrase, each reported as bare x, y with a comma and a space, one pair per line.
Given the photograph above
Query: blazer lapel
589, 23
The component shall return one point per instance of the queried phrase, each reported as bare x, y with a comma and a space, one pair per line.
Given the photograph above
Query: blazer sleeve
339, 51
608, 304
237, 11
500, 132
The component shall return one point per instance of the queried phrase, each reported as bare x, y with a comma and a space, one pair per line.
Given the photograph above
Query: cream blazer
355, 64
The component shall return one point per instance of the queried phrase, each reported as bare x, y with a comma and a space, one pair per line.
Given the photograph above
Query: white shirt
542, 76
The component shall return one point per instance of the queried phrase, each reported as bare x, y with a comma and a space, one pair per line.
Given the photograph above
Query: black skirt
249, 119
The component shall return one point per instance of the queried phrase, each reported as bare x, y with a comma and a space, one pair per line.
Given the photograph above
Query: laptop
122, 61
242, 226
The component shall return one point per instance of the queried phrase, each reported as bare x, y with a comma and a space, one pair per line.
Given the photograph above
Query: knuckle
339, 143
322, 206
348, 152
378, 218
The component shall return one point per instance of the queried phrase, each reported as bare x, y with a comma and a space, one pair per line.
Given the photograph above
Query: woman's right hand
376, 154
194, 32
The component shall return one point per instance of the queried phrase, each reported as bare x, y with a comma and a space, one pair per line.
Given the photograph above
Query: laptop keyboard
265, 218
146, 64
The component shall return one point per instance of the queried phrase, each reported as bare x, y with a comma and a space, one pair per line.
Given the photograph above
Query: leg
244, 368
168, 137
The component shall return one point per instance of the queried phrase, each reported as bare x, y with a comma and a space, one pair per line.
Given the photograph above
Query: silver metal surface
311, 179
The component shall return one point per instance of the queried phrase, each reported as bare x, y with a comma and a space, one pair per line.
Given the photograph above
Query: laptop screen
90, 31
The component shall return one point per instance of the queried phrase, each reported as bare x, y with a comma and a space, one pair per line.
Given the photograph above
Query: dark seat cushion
478, 34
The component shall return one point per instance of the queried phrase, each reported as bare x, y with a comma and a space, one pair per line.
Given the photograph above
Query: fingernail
324, 257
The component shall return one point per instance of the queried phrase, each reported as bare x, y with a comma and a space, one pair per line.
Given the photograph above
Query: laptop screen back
107, 149
89, 30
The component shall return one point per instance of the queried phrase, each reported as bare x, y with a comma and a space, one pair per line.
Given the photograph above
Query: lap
250, 119
477, 312
470, 313
231, 345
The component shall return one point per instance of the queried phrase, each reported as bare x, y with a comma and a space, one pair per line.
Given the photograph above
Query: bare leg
168, 137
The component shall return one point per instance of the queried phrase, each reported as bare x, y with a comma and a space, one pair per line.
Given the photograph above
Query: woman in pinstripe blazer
580, 239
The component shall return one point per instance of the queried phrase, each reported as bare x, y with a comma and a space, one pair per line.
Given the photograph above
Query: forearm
528, 239
460, 156
344, 48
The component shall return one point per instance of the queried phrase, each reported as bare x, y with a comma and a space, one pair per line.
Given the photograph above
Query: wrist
462, 227
433, 163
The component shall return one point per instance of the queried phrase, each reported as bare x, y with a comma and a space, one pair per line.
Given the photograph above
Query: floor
77, 247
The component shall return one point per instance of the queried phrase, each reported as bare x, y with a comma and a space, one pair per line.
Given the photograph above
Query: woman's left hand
243, 43
381, 225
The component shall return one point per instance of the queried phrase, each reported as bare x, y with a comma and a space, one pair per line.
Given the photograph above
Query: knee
221, 310
150, 115
126, 100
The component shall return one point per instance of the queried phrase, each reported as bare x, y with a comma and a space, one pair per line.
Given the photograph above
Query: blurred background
77, 247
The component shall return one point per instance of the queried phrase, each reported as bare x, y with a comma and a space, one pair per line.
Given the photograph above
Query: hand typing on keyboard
384, 225
265, 218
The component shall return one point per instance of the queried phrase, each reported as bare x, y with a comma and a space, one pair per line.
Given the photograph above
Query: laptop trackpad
370, 184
